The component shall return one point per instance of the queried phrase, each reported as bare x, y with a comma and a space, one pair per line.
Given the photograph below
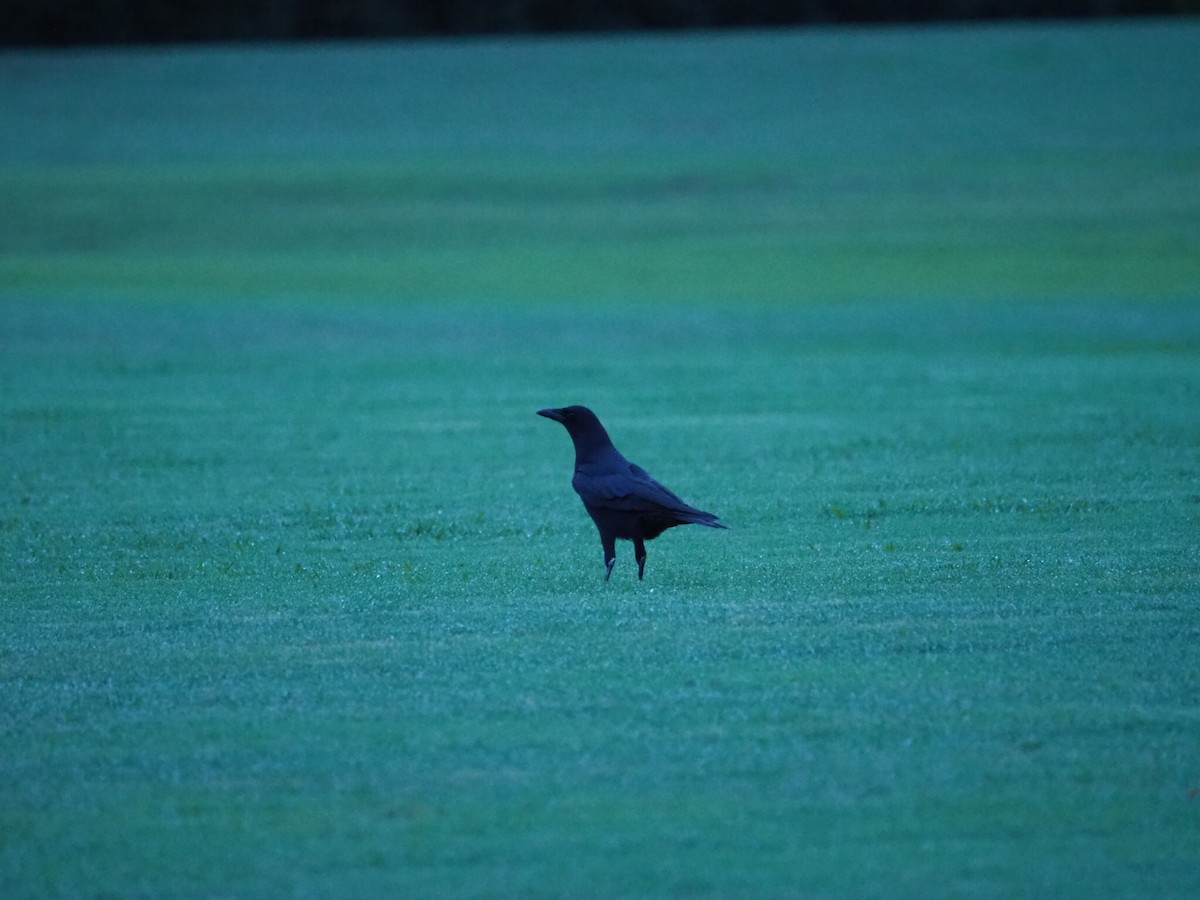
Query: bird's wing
629, 488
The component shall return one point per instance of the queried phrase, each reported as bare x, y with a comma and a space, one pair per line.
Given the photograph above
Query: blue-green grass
297, 599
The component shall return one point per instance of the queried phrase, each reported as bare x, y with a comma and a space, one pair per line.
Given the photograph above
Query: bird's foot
641, 567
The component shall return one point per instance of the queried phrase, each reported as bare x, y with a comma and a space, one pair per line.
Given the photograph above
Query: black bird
622, 499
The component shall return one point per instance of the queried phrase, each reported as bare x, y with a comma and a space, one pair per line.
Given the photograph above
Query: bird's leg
610, 553
639, 550
608, 567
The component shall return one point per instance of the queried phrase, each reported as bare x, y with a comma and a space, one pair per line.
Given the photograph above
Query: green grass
962, 164
297, 599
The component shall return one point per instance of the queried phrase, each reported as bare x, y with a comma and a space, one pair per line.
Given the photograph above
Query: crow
622, 499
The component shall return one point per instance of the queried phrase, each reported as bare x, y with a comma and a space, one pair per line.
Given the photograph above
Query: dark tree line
69, 22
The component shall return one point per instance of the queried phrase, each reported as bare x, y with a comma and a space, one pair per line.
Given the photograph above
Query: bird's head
583, 426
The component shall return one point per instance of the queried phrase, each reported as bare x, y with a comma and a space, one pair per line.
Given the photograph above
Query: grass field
297, 598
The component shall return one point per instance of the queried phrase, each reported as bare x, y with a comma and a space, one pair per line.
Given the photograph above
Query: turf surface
297, 597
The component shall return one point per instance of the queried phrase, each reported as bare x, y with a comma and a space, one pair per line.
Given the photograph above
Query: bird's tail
700, 517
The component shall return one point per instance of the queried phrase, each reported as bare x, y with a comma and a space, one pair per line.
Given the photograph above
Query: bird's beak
555, 414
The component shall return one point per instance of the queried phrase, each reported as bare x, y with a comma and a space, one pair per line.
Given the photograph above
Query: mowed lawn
297, 599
